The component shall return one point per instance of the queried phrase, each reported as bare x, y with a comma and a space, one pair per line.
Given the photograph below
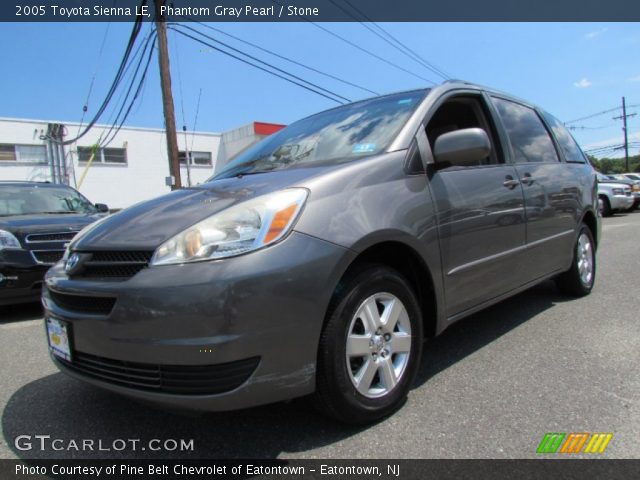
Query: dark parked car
37, 221
319, 260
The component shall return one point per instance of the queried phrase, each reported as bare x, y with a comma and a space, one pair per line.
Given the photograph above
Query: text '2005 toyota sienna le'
319, 260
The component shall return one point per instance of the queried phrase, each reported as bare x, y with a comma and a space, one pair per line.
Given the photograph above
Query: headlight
8, 241
240, 229
618, 191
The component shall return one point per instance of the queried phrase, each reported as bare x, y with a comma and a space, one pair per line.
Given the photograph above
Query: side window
464, 112
529, 138
572, 152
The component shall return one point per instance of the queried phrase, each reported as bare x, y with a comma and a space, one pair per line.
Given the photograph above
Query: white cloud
595, 33
635, 79
583, 83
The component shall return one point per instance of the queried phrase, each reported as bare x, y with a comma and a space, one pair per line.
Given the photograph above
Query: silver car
318, 261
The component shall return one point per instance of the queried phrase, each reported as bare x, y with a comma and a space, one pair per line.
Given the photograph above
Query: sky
570, 69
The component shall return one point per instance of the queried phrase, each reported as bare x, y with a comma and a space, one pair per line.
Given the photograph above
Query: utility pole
167, 96
624, 117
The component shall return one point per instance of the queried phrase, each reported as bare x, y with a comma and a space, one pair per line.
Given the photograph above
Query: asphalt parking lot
490, 387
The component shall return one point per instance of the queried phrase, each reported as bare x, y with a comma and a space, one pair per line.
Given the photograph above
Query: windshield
34, 199
335, 136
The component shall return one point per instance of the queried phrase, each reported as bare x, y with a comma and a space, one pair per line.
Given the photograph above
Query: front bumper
20, 277
268, 304
622, 202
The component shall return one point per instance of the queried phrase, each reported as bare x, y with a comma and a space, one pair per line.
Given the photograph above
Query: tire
606, 207
579, 279
366, 367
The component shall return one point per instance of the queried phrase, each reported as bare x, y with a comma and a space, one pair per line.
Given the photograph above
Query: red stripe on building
263, 128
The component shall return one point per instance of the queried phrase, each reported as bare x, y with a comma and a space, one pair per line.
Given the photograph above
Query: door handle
510, 182
527, 179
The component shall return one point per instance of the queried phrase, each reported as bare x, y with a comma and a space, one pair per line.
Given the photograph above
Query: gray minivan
319, 260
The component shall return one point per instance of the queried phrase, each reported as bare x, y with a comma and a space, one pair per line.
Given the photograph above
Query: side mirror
467, 147
102, 208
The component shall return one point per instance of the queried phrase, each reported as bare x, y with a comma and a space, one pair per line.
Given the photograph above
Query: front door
480, 212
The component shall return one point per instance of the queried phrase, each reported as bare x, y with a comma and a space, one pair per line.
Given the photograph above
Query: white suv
613, 196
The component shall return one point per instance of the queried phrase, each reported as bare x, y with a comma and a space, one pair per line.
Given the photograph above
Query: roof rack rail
457, 80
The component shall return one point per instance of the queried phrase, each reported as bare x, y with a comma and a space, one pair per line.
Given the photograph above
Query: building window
116, 156
23, 153
197, 158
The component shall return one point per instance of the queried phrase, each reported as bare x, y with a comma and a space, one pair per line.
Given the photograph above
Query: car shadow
474, 332
67, 409
21, 312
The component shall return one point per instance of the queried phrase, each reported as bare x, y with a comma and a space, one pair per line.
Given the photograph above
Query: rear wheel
579, 279
370, 347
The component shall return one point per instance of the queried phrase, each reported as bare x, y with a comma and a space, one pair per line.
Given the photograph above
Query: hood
147, 225
21, 225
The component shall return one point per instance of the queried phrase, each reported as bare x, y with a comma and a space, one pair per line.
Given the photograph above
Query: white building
133, 166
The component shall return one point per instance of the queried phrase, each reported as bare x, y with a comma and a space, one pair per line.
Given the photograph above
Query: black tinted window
529, 137
571, 150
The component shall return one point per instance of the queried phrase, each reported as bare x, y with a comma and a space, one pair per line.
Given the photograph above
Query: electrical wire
364, 50
209, 37
85, 107
195, 121
597, 114
283, 77
282, 57
371, 54
390, 39
135, 59
113, 130
116, 81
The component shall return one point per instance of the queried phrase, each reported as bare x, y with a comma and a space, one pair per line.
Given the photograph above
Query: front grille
176, 379
51, 237
48, 257
122, 257
83, 304
122, 265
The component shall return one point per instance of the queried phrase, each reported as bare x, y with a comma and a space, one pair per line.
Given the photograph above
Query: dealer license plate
59, 338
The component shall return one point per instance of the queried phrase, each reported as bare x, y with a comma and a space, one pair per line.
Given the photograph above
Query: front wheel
605, 206
579, 279
370, 346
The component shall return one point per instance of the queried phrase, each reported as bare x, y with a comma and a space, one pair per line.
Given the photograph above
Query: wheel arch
590, 219
411, 265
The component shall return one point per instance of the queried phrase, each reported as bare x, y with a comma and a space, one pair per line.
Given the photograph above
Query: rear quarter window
529, 138
570, 148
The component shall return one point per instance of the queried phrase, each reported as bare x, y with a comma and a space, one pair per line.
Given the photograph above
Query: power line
85, 107
597, 114
135, 59
116, 81
195, 121
264, 63
584, 127
113, 130
283, 77
390, 39
364, 50
282, 57
388, 62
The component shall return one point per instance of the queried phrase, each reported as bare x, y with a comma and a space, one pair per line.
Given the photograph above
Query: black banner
320, 469
319, 10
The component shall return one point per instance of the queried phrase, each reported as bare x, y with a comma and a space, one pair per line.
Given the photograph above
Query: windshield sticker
364, 148
405, 101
